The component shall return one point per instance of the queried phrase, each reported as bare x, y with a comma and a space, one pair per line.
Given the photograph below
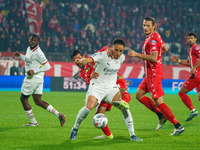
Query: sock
52, 110
166, 111
186, 100
149, 104
82, 114
30, 115
128, 120
126, 96
106, 131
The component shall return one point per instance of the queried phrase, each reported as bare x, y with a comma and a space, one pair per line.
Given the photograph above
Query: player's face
191, 40
33, 41
117, 51
148, 27
78, 56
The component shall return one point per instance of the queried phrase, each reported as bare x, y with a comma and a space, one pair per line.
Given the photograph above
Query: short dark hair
76, 52
119, 41
35, 35
192, 34
153, 20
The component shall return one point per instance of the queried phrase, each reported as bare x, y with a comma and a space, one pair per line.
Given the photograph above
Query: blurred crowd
90, 25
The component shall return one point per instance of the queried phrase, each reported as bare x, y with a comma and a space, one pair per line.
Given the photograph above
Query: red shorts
192, 82
122, 83
153, 86
105, 104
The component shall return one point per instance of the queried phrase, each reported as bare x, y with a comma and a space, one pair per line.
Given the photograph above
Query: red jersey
86, 72
194, 57
153, 43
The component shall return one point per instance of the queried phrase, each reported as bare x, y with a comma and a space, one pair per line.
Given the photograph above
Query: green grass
49, 134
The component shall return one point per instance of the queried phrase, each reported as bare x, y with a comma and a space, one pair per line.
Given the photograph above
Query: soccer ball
100, 120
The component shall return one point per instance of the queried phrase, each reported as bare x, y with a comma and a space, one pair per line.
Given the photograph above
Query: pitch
49, 134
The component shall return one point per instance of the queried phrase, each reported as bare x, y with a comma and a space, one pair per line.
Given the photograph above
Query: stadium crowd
90, 25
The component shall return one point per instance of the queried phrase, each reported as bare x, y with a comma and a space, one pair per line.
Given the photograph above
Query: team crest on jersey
196, 48
94, 55
153, 42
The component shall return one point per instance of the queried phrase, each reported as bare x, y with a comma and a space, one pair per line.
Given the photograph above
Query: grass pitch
50, 135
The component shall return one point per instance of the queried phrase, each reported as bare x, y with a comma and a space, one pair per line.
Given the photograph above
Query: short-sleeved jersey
33, 60
107, 67
153, 43
86, 72
193, 56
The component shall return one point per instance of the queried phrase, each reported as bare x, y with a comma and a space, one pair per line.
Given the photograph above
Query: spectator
14, 70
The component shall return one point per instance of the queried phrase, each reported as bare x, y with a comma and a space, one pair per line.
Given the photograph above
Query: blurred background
89, 25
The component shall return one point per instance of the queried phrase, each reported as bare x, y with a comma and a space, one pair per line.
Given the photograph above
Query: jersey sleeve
196, 51
41, 57
98, 57
153, 43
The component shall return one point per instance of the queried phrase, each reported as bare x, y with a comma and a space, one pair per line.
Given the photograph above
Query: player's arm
84, 61
152, 57
18, 54
182, 62
44, 67
164, 49
193, 70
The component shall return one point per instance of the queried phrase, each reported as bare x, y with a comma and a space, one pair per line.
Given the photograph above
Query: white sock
52, 110
128, 120
30, 115
82, 114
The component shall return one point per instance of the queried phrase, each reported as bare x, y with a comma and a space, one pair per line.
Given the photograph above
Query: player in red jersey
152, 83
87, 73
194, 79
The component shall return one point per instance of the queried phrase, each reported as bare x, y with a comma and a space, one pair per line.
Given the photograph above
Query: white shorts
106, 93
30, 87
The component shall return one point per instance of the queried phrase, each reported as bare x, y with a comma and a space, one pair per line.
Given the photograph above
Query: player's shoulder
196, 47
155, 38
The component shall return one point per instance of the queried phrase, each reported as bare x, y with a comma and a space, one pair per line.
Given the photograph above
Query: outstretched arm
84, 61
182, 62
152, 57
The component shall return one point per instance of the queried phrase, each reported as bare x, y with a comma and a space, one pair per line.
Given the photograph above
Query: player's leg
26, 90
38, 101
187, 86
123, 89
125, 95
127, 117
91, 102
28, 110
166, 111
103, 107
140, 96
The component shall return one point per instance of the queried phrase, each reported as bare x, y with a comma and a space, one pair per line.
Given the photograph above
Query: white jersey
107, 67
33, 60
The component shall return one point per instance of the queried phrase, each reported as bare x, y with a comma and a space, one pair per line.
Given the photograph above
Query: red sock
166, 111
186, 100
126, 96
106, 130
149, 104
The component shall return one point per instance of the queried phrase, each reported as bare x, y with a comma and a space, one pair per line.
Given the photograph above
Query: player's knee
138, 96
23, 97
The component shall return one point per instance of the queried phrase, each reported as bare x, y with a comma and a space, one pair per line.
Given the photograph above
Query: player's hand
30, 72
132, 53
109, 51
79, 61
192, 71
174, 58
94, 75
16, 54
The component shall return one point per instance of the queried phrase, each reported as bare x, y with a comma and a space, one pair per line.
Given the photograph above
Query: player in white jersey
104, 87
35, 65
